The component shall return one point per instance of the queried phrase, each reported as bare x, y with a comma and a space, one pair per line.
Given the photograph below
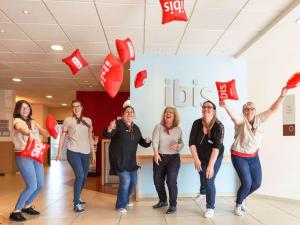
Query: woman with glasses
244, 150
125, 137
79, 132
206, 146
27, 129
167, 143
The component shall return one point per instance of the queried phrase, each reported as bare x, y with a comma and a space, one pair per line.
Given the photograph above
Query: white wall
270, 63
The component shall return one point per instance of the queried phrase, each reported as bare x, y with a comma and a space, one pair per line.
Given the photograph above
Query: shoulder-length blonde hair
176, 120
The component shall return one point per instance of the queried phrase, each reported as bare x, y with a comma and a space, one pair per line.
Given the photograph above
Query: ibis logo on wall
183, 96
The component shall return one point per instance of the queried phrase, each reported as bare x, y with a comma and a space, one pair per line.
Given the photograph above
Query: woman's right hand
58, 156
157, 158
112, 125
197, 164
222, 104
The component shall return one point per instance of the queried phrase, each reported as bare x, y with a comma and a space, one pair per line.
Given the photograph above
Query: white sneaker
238, 211
129, 204
78, 208
122, 210
199, 197
209, 213
244, 207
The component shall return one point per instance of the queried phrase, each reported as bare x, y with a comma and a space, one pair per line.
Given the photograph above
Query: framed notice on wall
288, 116
4, 128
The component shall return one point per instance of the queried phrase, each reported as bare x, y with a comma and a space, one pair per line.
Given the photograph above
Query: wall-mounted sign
288, 116
4, 128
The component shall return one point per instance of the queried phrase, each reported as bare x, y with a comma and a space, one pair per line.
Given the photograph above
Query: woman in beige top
32, 171
244, 150
167, 142
78, 130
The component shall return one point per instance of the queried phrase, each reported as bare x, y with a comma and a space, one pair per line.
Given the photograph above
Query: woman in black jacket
206, 146
125, 137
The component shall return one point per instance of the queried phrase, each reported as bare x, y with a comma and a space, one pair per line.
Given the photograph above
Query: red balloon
125, 50
52, 126
140, 78
227, 90
294, 81
111, 76
35, 151
75, 61
173, 10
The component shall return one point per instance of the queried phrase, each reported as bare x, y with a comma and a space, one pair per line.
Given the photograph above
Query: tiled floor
55, 205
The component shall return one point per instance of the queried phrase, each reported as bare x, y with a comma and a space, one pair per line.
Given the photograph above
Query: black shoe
171, 209
30, 211
17, 216
82, 202
159, 205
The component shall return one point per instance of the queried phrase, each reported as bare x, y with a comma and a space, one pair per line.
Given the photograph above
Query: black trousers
167, 170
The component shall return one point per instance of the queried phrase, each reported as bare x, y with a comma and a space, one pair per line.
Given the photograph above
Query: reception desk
188, 178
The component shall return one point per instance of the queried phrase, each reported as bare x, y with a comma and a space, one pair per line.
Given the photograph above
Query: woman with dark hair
125, 137
32, 172
167, 143
244, 150
206, 146
79, 132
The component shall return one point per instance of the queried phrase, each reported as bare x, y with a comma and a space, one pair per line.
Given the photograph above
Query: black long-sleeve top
123, 147
204, 145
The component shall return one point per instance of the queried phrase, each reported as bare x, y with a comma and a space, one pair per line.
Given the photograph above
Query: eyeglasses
76, 106
207, 107
249, 109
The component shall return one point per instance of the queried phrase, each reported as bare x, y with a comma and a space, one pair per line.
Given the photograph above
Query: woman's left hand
148, 140
209, 172
93, 157
174, 146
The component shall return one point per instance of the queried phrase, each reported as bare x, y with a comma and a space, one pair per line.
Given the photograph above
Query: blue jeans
210, 183
126, 187
202, 183
33, 176
80, 165
249, 172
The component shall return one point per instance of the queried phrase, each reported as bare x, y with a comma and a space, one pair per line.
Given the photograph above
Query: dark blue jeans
202, 183
167, 170
210, 183
80, 165
249, 172
126, 187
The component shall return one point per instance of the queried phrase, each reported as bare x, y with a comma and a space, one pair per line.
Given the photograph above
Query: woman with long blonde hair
167, 143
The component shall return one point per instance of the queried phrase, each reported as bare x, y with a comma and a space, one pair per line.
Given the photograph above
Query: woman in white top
167, 142
78, 130
244, 150
32, 171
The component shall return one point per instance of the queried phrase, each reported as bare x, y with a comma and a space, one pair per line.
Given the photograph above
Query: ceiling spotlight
297, 21
91, 86
16, 80
57, 47
26, 12
64, 104
48, 96
86, 81
2, 31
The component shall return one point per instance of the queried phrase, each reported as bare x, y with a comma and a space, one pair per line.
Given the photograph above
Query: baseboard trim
270, 197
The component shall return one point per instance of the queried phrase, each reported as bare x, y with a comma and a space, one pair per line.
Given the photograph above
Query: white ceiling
215, 27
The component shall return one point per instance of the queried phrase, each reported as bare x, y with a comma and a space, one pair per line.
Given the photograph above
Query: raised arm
234, 117
111, 130
266, 114
42, 131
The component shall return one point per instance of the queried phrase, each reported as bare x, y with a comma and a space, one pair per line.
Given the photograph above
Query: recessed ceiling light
297, 21
57, 47
2, 31
48, 96
64, 104
26, 12
16, 80
91, 86
86, 81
